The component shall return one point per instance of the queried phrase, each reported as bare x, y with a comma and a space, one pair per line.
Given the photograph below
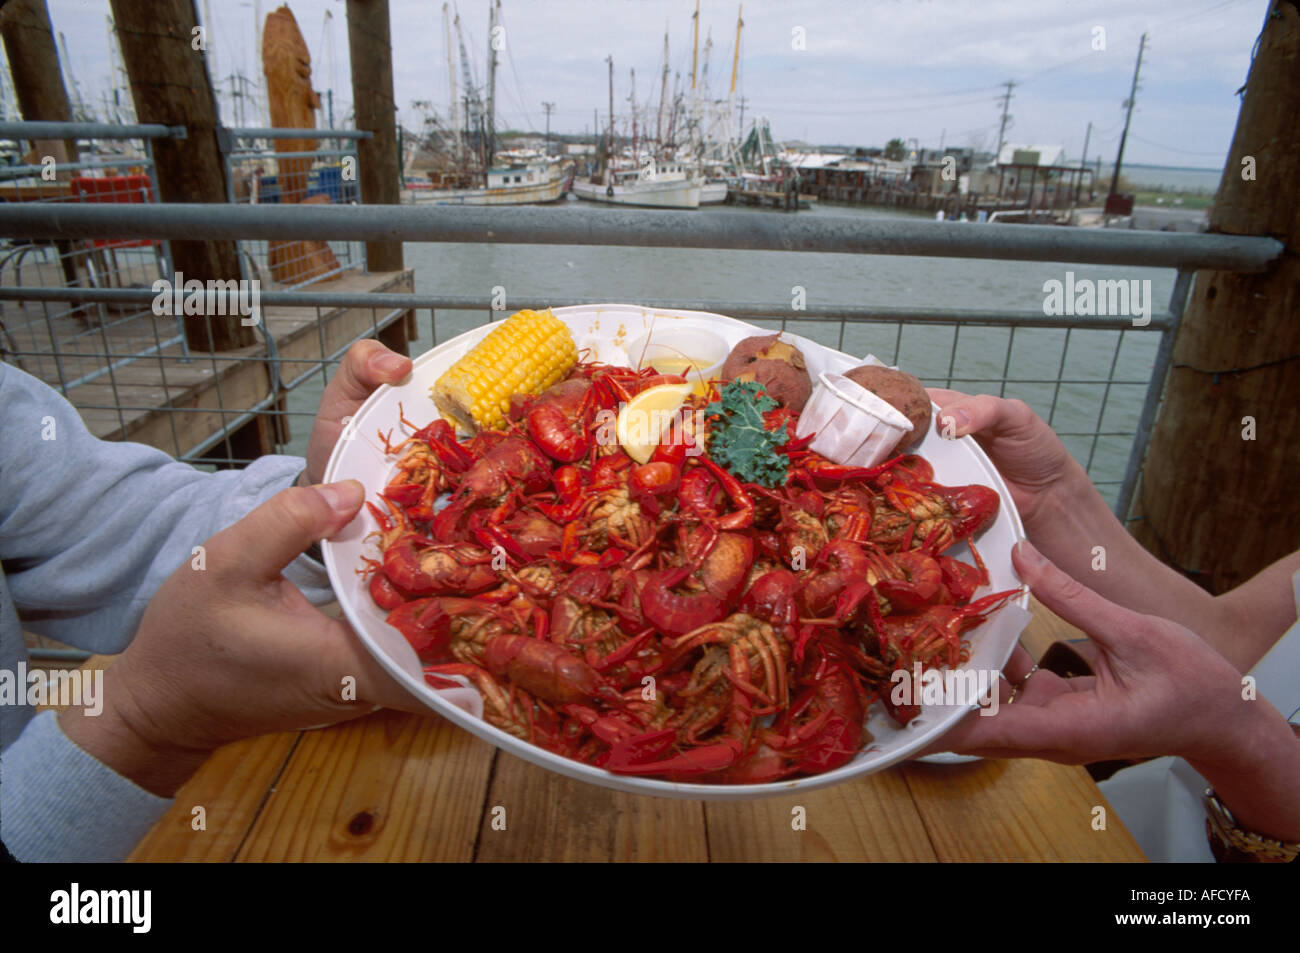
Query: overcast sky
868, 72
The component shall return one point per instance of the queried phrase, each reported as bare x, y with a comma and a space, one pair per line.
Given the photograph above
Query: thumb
981, 415
274, 534
1074, 602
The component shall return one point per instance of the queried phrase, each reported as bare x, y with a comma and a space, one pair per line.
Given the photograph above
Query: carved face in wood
286, 62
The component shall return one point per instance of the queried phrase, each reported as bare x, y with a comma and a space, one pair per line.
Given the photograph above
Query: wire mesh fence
1096, 380
284, 167
73, 342
1089, 383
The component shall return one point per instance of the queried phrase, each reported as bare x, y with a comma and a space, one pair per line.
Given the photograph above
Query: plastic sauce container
694, 353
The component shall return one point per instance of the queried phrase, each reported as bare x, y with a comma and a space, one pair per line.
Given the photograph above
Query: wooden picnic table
398, 787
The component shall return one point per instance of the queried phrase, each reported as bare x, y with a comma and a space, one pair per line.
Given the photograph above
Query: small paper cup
854, 427
664, 347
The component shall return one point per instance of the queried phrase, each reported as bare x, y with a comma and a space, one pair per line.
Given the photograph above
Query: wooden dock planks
174, 402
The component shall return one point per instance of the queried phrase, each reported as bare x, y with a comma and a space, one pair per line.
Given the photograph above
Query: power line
1187, 152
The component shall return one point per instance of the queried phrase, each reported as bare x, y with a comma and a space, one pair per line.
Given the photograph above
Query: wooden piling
38, 84
371, 52
34, 65
170, 85
1218, 492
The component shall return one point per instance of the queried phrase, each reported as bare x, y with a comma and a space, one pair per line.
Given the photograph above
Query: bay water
1088, 383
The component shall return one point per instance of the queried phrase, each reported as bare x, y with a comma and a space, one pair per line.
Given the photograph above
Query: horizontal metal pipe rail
649, 229
42, 129
267, 132
742, 310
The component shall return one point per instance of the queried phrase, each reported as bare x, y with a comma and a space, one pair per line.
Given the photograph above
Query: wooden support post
372, 96
1218, 493
38, 84
34, 65
169, 85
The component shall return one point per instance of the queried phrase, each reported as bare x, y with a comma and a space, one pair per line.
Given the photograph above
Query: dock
770, 198
131, 378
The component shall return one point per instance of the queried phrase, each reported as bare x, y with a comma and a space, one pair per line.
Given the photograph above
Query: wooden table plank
873, 818
551, 817
1016, 811
390, 786
231, 788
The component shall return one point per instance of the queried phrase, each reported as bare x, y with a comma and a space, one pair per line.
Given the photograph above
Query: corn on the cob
528, 353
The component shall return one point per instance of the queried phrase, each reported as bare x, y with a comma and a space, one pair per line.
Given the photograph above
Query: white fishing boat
713, 193
523, 184
671, 185
461, 165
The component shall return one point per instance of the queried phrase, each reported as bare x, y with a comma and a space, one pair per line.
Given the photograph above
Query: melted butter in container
853, 426
694, 353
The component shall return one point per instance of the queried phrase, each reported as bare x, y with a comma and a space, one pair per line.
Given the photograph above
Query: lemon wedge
644, 418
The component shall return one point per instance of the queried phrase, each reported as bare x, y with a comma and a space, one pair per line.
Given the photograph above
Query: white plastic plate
604, 331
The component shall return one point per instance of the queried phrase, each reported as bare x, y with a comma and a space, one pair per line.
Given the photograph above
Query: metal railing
258, 174
1185, 253
66, 341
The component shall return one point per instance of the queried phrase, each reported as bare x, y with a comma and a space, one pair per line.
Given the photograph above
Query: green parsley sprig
739, 439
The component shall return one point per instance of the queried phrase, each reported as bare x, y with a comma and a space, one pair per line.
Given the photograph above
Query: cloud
870, 70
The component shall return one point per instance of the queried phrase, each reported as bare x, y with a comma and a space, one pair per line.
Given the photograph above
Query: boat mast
663, 93
695, 43
731, 96
636, 156
489, 145
473, 111
451, 81
609, 152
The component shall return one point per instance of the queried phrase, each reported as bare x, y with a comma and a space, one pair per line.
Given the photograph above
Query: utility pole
609, 172
1083, 163
1234, 368
548, 108
1128, 116
1006, 119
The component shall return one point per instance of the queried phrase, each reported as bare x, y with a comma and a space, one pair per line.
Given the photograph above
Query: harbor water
1107, 370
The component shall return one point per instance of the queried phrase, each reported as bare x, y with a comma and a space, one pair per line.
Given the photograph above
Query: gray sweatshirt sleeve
89, 529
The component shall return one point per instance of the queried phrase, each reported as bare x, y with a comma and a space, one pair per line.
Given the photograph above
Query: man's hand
366, 365
233, 650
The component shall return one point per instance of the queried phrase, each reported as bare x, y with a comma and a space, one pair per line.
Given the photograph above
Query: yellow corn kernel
526, 354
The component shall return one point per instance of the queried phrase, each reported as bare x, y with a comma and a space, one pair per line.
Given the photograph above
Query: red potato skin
775, 364
900, 390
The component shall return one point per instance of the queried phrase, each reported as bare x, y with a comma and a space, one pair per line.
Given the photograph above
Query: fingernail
1030, 556
954, 422
390, 363
343, 497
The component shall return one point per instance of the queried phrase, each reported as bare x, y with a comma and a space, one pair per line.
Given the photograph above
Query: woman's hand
365, 366
1028, 454
1158, 689
229, 649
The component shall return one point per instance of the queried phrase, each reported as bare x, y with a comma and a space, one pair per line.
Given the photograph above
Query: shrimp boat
524, 183
460, 166
671, 185
653, 178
